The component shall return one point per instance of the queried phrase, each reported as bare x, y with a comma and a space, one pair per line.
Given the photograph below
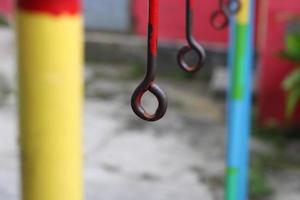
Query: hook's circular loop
136, 102
181, 58
219, 19
232, 7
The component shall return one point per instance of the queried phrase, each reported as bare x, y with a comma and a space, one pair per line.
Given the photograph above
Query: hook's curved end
136, 102
232, 8
219, 19
201, 58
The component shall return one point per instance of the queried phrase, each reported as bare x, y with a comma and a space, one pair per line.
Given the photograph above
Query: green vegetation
292, 82
259, 187
264, 164
3, 22
276, 159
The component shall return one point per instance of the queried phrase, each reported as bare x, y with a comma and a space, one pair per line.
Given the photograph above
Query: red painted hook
148, 84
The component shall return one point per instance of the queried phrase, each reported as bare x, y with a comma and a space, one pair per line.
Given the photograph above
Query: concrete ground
179, 158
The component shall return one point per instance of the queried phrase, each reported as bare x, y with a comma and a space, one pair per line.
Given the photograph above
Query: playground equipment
193, 45
50, 84
240, 64
148, 84
50, 104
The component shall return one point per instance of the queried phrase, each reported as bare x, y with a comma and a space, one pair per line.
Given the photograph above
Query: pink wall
172, 21
6, 7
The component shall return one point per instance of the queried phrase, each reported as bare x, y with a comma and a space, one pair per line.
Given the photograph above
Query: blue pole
240, 64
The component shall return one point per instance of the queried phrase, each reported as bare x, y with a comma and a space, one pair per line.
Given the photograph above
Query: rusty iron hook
225, 10
148, 84
193, 45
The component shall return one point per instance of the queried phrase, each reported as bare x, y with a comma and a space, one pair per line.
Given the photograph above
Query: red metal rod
148, 84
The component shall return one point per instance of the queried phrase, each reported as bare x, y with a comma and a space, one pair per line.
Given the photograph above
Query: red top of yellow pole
54, 7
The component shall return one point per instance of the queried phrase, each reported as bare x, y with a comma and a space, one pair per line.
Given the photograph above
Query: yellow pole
50, 53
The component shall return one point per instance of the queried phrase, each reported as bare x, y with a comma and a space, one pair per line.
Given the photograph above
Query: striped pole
50, 59
239, 106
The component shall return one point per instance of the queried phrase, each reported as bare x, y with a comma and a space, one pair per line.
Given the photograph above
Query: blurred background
182, 156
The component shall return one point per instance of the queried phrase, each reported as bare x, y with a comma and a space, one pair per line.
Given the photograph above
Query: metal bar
239, 106
148, 84
192, 45
50, 50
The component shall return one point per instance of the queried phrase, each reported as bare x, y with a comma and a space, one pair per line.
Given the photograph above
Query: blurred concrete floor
178, 158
